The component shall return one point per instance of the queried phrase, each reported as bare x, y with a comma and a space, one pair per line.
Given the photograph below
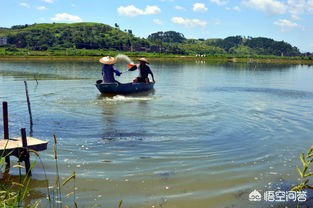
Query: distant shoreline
276, 60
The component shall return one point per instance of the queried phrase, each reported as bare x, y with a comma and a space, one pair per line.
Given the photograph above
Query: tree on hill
269, 46
228, 42
168, 37
86, 35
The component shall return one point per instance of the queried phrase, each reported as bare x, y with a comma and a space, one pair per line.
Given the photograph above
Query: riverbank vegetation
16, 191
96, 39
305, 172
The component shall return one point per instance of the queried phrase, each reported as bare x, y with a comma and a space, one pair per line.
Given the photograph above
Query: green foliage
243, 50
304, 172
269, 46
13, 194
228, 42
168, 37
77, 35
53, 38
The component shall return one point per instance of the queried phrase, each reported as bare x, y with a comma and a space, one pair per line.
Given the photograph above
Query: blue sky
287, 20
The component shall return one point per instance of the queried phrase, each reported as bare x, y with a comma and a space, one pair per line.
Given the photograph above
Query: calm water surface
206, 137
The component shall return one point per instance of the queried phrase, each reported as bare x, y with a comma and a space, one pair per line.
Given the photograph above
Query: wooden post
25, 154
6, 127
5, 120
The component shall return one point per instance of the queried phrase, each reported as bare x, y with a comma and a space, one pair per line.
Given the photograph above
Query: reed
304, 172
14, 194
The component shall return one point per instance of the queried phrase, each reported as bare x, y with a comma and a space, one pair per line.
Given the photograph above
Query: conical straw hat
107, 60
144, 60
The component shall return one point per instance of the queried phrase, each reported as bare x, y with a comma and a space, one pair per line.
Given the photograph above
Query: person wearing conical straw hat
144, 71
108, 69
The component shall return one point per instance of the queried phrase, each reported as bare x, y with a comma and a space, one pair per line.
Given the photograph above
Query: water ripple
272, 91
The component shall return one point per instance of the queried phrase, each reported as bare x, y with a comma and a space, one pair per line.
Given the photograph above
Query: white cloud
41, 8
133, 11
219, 2
295, 8
66, 17
130, 10
310, 6
285, 23
24, 4
299, 7
158, 21
189, 22
236, 8
199, 7
268, 6
180, 8
152, 10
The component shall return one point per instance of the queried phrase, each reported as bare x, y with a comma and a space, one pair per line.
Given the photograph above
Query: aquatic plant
305, 173
14, 194
56, 200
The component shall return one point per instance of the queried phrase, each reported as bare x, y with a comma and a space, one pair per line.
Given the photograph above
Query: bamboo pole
29, 108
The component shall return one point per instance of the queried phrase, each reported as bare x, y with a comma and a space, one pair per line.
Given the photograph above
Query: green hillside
97, 36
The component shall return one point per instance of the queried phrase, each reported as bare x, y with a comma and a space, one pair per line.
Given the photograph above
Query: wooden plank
15, 143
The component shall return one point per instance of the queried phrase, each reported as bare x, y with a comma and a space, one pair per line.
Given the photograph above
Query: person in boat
144, 71
108, 69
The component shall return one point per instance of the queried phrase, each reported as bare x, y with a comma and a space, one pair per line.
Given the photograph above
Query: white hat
107, 60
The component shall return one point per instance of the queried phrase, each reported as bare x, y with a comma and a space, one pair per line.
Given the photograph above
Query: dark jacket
108, 73
144, 71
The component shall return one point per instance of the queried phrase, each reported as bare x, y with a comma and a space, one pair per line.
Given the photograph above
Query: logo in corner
255, 196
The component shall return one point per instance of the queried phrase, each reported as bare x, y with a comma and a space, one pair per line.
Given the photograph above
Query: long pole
29, 108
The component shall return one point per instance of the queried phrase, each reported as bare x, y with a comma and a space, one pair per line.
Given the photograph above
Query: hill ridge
93, 35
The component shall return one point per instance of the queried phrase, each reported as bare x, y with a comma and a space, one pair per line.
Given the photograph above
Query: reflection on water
206, 137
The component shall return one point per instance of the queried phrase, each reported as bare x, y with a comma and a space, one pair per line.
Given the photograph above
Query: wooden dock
9, 145
18, 147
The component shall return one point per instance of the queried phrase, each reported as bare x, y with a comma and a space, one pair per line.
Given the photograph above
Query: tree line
58, 36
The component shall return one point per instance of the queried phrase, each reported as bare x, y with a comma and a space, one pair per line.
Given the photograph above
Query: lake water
207, 136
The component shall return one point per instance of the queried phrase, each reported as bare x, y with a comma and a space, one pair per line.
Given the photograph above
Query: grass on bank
89, 54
